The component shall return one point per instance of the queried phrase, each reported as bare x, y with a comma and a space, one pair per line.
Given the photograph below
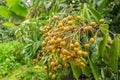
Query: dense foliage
59, 40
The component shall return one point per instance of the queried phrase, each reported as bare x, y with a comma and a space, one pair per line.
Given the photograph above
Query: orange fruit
70, 17
70, 22
53, 76
76, 44
93, 24
92, 40
72, 45
86, 46
78, 18
101, 21
55, 17
85, 53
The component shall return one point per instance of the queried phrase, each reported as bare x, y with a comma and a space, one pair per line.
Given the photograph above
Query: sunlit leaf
8, 24
4, 12
19, 10
12, 2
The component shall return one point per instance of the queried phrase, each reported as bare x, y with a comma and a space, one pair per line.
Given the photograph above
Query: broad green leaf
95, 14
76, 70
4, 12
86, 13
10, 3
114, 54
94, 70
19, 10
102, 4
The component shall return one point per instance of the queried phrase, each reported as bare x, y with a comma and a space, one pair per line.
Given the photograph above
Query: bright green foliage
9, 59
28, 73
4, 12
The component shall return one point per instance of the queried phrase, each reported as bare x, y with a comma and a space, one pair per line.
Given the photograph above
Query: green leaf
119, 44
86, 71
76, 70
19, 10
114, 54
94, 57
102, 5
86, 13
94, 70
95, 13
12, 2
106, 55
104, 28
103, 73
102, 45
4, 12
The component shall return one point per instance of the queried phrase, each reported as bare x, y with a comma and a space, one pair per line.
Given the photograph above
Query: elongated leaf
94, 70
103, 43
4, 12
76, 70
102, 5
106, 55
114, 54
95, 14
119, 44
86, 71
35, 36
36, 46
86, 13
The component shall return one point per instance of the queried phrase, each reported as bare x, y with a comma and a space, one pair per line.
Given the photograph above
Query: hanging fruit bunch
64, 42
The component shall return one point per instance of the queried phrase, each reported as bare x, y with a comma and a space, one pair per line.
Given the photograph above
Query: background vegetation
21, 37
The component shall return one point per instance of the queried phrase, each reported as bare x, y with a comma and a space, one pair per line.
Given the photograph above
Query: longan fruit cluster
62, 38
